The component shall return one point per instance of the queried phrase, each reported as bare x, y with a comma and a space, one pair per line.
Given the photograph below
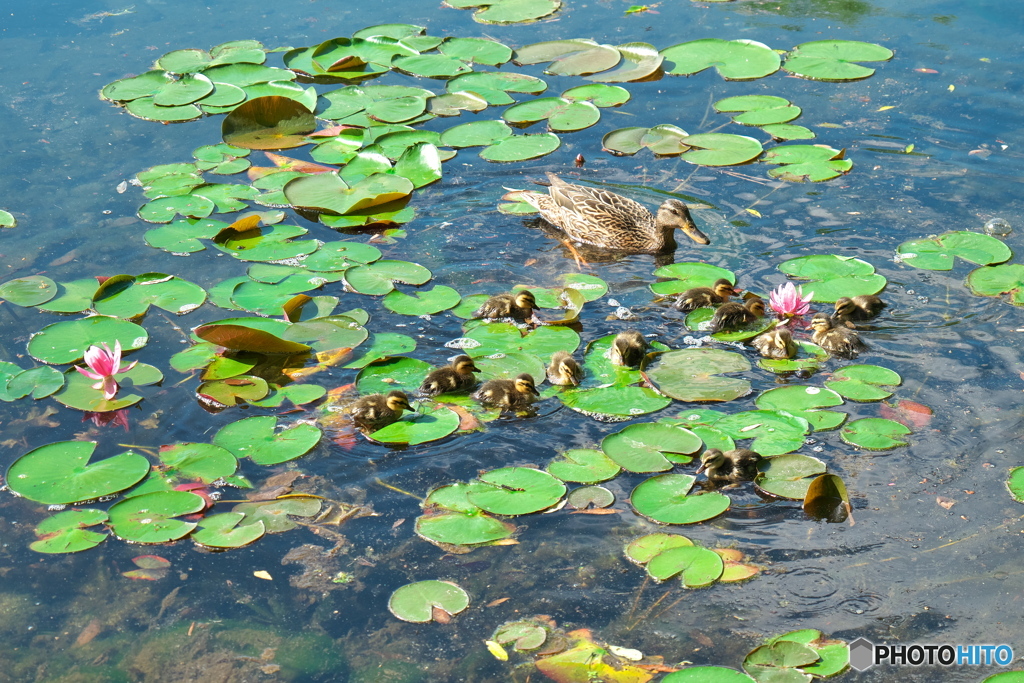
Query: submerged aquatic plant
789, 301
103, 365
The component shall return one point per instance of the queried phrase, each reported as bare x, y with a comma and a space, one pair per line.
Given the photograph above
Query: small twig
395, 488
639, 593
755, 203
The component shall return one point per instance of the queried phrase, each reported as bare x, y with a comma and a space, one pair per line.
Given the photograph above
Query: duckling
732, 315
564, 370
838, 341
863, 307
699, 297
604, 219
510, 394
518, 305
455, 377
378, 410
739, 464
628, 349
776, 343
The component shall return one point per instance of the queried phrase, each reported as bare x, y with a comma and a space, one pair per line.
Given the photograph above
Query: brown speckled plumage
455, 377
776, 343
510, 394
564, 370
700, 297
516, 305
739, 464
863, 307
628, 349
731, 315
838, 341
379, 410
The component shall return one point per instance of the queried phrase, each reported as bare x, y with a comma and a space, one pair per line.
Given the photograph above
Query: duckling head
628, 348
397, 401
525, 299
525, 385
723, 288
821, 322
464, 365
755, 305
566, 368
711, 460
674, 214
845, 306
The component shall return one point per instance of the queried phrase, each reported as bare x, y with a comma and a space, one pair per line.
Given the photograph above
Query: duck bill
534, 391
694, 233
701, 469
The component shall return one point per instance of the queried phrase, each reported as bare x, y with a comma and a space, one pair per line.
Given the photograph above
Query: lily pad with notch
735, 60
665, 498
827, 499
805, 402
421, 602
808, 357
562, 115
381, 345
936, 253
802, 163
774, 431
59, 473
707, 674
379, 277
651, 447
68, 531
584, 466
521, 147
758, 110
642, 550
572, 57
126, 296
79, 392
271, 122
788, 476
687, 276
259, 335
614, 403
696, 374
428, 423
830, 276
223, 531
462, 529
394, 373
494, 86
1007, 278
590, 497
27, 291
835, 60
696, 566
297, 394
875, 434
224, 393
700, 318
515, 491
863, 382
720, 149
72, 297
260, 439
275, 515
40, 382
428, 302
151, 517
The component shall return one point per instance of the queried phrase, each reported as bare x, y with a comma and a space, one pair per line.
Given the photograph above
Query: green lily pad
40, 381
707, 674
149, 518
222, 531
475, 134
699, 319
509, 365
274, 514
801, 163
788, 131
182, 236
583, 465
196, 461
937, 253
575, 57
72, 297
862, 382
774, 431
428, 302
494, 86
651, 447
834, 60
147, 109
624, 141
735, 60
271, 122
515, 491
695, 566
614, 403
640, 62
224, 393
642, 550
416, 602
600, 94
809, 356
396, 373
78, 391
687, 276
586, 497
185, 90
430, 66
164, 210
507, 338
521, 147
995, 280
721, 149
31, 290
714, 438
779, 661
7, 219
67, 532
259, 439
476, 50
695, 374
454, 103
513, 11
328, 192
379, 277
590, 286
60, 473
522, 635
562, 115
462, 528
874, 434
428, 423
131, 297
663, 498
1015, 483
830, 276
788, 476
758, 110
380, 345
135, 87
805, 402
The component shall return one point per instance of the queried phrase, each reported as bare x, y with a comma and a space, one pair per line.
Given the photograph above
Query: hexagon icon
862, 654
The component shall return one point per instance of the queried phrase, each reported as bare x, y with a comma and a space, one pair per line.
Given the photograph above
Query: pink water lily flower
789, 301
103, 365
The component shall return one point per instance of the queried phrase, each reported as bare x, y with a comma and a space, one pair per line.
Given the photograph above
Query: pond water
932, 554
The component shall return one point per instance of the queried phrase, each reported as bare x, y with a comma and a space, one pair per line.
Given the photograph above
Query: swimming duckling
564, 370
863, 307
739, 464
628, 349
732, 315
838, 341
699, 297
776, 343
510, 394
518, 305
455, 377
378, 410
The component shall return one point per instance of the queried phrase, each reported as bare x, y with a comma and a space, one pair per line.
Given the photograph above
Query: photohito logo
864, 654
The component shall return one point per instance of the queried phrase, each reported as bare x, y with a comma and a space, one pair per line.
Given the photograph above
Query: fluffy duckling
732, 315
776, 343
517, 305
863, 307
455, 377
699, 297
628, 349
376, 411
564, 370
509, 394
838, 341
739, 464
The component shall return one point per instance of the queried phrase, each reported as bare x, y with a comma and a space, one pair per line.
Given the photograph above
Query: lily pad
40, 381
78, 391
272, 122
995, 280
130, 297
721, 149
640, 62
695, 566
259, 335
515, 491
274, 515
428, 423
803, 163
586, 497
758, 110
419, 602
788, 131
651, 447
31, 290
381, 345
874, 434
809, 357
707, 674
774, 431
699, 319
521, 147
259, 439
687, 276
508, 11
735, 60
835, 60
614, 403
562, 114
695, 374
937, 253
67, 341
780, 661
583, 465
462, 528
196, 461
862, 382
389, 374
805, 402
827, 499
494, 86
67, 532
788, 476
298, 394
379, 277
328, 192
222, 531
642, 550
507, 338
224, 393
427, 302
574, 57
598, 93
664, 498
7, 219
1015, 483
476, 50
831, 276
150, 517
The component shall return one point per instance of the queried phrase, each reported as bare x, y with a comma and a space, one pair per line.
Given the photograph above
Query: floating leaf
575, 57
651, 447
419, 602
779, 661
805, 402
516, 491
462, 528
641, 61
230, 392
687, 276
562, 114
222, 531
428, 423
758, 110
874, 434
521, 147
67, 532
735, 60
937, 253
1015, 483
196, 461
427, 302
7, 220
695, 374
615, 402
381, 345
131, 297
259, 335
707, 674
272, 122
663, 498
700, 320
274, 514
379, 277
164, 210
328, 192
40, 381
598, 93
830, 276
584, 497
397, 373
695, 566
259, 439
494, 86
827, 499
476, 50
788, 131
774, 431
833, 60
31, 290
788, 476
149, 518
809, 357
79, 392
862, 382
801, 163
995, 280
642, 550
721, 149
67, 341
583, 465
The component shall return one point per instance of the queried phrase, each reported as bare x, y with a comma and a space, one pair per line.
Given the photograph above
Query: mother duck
605, 219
